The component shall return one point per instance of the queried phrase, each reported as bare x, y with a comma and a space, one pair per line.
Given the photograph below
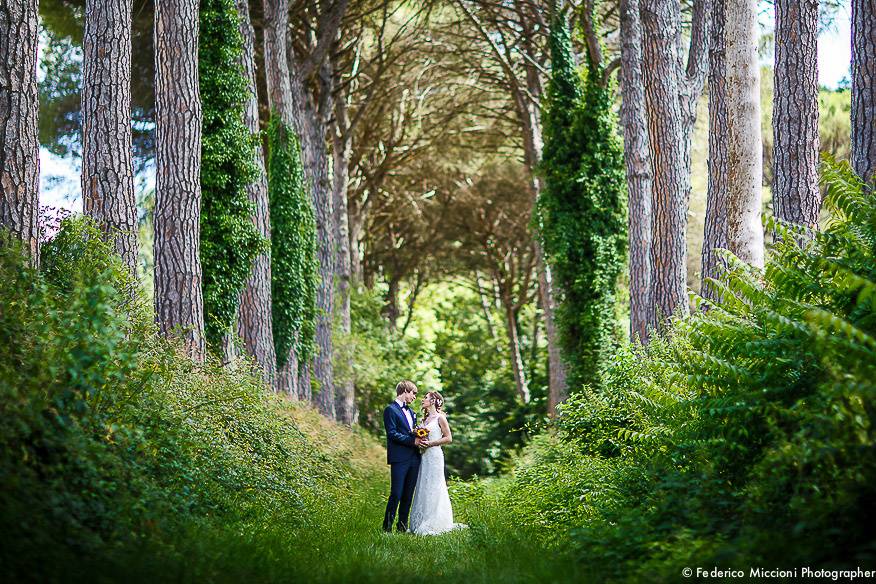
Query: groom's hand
421, 442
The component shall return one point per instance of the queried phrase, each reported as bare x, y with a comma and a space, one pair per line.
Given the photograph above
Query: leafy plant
230, 240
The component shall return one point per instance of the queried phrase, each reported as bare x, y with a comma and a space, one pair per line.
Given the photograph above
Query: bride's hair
439, 402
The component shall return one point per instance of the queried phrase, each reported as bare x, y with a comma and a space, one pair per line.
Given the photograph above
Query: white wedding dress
431, 512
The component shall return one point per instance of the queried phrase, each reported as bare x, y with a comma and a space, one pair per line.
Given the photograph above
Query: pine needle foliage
294, 267
230, 240
582, 210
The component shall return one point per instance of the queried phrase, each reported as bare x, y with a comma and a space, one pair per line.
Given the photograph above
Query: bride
431, 513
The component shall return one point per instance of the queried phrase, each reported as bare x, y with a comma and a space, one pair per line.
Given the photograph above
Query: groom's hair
405, 386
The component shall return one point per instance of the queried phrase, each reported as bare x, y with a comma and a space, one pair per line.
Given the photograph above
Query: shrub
110, 438
747, 437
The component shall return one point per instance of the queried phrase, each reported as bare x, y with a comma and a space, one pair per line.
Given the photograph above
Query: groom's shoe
401, 528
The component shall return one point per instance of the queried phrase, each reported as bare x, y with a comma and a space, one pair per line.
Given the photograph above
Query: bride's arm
446, 437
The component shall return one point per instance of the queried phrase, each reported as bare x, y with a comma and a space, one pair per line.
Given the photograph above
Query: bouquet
421, 432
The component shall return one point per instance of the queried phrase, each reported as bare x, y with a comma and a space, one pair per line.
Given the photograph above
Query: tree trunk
532, 147
276, 23
796, 197
345, 402
744, 143
254, 315
639, 177
178, 300
311, 129
671, 92
19, 141
107, 165
514, 348
715, 229
864, 88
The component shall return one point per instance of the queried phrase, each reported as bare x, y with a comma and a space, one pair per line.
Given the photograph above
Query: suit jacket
400, 441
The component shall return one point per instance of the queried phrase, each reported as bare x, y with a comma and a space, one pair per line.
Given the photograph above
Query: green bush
747, 437
111, 439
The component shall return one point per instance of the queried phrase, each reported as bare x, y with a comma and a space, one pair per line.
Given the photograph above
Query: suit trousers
403, 480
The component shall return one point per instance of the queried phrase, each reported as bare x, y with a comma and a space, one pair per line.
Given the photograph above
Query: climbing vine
582, 210
229, 239
294, 267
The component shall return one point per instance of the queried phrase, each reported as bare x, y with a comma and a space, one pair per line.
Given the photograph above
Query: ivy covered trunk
19, 143
179, 305
796, 196
293, 239
254, 315
582, 208
230, 241
671, 92
638, 168
744, 144
107, 165
715, 228
864, 88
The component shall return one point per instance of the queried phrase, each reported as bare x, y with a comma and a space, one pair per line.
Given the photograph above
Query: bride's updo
439, 402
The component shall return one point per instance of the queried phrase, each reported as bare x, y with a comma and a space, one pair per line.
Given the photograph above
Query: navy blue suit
403, 458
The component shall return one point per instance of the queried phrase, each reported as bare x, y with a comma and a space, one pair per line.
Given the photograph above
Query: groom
402, 454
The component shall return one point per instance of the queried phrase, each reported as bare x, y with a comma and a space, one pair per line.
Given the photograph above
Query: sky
59, 177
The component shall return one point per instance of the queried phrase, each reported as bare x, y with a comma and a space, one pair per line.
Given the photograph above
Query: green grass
343, 542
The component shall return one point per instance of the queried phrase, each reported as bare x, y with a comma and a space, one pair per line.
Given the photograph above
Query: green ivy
582, 210
294, 267
229, 239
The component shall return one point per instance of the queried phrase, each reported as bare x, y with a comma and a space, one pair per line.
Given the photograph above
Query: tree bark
178, 117
639, 176
671, 92
744, 141
310, 127
19, 140
276, 23
254, 315
796, 197
864, 88
345, 403
107, 165
715, 229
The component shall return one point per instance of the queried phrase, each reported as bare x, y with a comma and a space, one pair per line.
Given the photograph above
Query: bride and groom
417, 464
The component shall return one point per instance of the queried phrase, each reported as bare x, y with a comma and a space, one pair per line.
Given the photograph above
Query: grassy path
344, 543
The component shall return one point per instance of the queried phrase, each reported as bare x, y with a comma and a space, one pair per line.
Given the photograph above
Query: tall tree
715, 227
513, 35
638, 167
864, 88
345, 402
311, 114
744, 142
19, 144
671, 92
254, 315
796, 196
178, 299
107, 165
229, 240
583, 207
293, 243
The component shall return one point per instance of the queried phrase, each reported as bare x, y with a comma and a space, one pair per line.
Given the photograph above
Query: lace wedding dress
431, 512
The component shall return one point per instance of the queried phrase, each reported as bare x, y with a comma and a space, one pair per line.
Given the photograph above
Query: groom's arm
393, 432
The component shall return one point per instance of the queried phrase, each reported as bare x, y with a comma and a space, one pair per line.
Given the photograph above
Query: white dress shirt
407, 413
